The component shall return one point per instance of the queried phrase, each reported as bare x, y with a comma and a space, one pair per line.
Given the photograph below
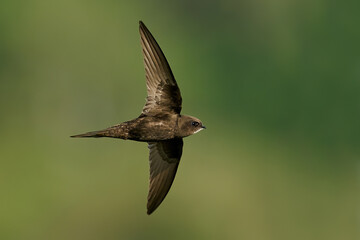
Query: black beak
203, 127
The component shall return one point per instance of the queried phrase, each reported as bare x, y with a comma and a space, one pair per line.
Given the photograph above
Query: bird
160, 123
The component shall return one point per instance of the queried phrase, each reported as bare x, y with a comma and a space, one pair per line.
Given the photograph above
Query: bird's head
189, 125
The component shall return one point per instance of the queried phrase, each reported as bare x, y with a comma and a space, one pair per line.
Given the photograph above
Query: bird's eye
195, 124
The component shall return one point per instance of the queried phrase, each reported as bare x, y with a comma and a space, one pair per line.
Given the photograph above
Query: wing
164, 161
163, 92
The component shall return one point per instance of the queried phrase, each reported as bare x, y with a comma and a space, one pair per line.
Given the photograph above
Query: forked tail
95, 134
115, 132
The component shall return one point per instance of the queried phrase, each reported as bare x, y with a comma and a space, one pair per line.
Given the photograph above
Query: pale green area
277, 83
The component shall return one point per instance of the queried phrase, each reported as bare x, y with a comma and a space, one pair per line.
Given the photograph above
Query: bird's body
160, 124
163, 126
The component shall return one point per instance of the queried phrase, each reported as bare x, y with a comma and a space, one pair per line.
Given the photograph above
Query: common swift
160, 124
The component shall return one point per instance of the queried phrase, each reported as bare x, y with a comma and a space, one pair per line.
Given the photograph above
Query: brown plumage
160, 123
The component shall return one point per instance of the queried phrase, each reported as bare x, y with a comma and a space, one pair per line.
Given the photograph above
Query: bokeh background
276, 83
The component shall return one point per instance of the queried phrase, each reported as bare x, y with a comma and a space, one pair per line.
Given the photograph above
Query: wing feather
164, 161
162, 89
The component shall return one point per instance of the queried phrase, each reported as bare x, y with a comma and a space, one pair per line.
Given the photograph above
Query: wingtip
141, 24
150, 211
151, 207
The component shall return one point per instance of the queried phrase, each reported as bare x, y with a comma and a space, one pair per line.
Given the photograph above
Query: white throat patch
198, 130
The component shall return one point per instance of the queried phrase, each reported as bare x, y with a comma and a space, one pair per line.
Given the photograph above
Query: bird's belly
148, 131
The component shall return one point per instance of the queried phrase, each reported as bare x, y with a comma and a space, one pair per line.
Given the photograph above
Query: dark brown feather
162, 89
164, 161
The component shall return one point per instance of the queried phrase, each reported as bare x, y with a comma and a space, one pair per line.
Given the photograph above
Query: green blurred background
276, 83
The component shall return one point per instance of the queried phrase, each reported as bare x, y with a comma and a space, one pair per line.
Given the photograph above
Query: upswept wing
162, 89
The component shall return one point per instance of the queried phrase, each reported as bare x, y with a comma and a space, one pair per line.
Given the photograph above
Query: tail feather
96, 134
117, 131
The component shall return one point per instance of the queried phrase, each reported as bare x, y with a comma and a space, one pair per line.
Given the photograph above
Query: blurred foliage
277, 84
